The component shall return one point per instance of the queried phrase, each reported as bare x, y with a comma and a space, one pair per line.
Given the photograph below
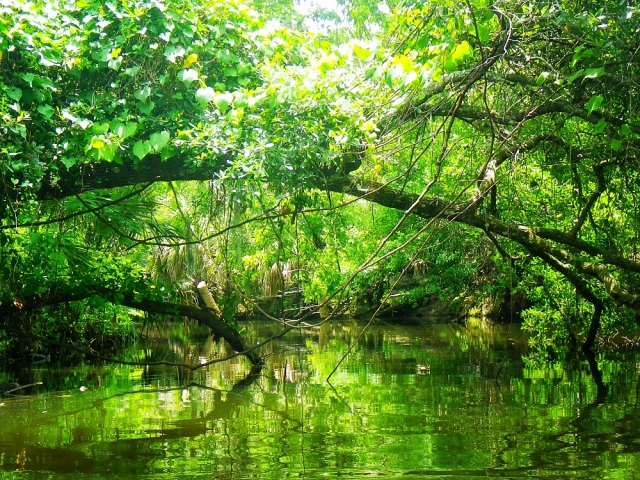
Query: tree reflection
409, 400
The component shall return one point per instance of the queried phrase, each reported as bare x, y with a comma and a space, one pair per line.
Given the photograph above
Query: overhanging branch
543, 243
217, 326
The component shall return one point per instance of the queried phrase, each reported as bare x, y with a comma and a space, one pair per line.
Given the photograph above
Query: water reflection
409, 402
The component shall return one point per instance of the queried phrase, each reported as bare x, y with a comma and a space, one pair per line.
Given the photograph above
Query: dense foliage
456, 149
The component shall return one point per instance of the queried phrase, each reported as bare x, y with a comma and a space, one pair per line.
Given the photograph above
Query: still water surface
408, 403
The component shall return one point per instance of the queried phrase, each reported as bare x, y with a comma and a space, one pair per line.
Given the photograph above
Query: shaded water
409, 403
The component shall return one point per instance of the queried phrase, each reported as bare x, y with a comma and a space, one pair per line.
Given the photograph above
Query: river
409, 402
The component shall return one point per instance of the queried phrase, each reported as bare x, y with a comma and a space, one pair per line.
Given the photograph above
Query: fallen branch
218, 327
20, 387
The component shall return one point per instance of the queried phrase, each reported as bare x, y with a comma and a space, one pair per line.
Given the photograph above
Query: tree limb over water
203, 316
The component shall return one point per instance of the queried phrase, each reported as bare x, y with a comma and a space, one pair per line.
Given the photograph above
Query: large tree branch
432, 207
425, 103
153, 169
473, 112
205, 317
106, 175
556, 258
541, 242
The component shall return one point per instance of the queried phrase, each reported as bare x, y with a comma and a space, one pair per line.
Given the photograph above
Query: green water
408, 403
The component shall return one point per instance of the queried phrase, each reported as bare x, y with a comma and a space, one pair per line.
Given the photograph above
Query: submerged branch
204, 317
120, 361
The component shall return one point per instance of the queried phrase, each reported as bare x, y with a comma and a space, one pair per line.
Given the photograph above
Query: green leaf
593, 103
97, 301
223, 100
143, 93
159, 140
14, 93
21, 130
580, 53
108, 151
423, 42
483, 33
48, 84
225, 56
141, 149
188, 75
168, 152
128, 130
230, 72
102, 55
244, 69
625, 130
573, 77
45, 110
593, 73
29, 78
235, 116
462, 50
164, 78
388, 78
205, 95
114, 125
361, 53
146, 108
370, 73
616, 144
450, 65
69, 161
542, 78
115, 63
601, 125
240, 100
100, 128
132, 72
